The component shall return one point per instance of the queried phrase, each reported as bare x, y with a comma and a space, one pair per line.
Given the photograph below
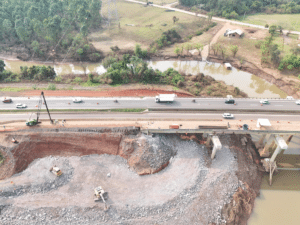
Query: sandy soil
110, 93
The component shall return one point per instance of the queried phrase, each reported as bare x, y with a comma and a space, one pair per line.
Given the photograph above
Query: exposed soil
191, 188
110, 93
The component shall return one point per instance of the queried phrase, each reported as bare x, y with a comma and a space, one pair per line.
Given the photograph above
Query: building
233, 33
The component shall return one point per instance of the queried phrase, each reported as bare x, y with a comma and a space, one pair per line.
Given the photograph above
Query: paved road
148, 102
59, 116
213, 18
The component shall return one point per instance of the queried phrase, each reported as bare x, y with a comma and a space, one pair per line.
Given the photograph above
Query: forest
49, 25
235, 8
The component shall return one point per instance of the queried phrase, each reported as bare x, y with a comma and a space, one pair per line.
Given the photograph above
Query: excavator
33, 122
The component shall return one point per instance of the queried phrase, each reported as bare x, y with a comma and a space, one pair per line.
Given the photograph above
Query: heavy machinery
100, 195
55, 170
32, 122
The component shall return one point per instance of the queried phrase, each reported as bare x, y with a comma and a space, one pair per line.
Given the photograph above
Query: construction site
146, 171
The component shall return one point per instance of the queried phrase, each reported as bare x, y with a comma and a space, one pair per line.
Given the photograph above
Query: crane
32, 122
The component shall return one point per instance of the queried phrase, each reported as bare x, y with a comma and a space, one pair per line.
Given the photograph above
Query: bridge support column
265, 151
217, 146
270, 163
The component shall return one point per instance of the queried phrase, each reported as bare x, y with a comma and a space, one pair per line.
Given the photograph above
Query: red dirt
112, 93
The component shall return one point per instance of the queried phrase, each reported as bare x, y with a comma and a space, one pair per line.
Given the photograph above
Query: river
249, 83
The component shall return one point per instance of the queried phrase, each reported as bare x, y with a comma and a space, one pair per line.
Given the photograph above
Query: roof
227, 64
237, 31
263, 122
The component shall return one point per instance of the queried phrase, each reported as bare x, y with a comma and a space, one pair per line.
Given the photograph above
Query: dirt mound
144, 155
107, 93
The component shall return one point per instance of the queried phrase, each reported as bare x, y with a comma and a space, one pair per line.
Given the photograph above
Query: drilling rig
33, 122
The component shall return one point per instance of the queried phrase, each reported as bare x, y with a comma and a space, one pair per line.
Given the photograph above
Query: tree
215, 47
234, 49
223, 50
188, 47
199, 47
272, 29
175, 19
177, 51
275, 54
2, 65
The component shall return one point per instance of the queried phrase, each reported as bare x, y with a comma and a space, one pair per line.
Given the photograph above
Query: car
229, 101
264, 101
297, 102
77, 100
228, 116
7, 100
245, 127
21, 106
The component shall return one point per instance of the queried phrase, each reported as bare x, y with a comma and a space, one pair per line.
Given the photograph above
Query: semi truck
165, 98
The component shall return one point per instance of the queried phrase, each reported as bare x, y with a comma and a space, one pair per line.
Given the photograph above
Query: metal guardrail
220, 131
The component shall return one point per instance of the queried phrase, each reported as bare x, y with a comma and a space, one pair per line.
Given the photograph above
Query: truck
165, 98
7, 100
55, 170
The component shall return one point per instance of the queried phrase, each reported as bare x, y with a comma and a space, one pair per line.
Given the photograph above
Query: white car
77, 100
264, 101
228, 116
21, 106
297, 102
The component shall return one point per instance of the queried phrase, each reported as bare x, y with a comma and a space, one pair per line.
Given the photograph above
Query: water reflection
250, 84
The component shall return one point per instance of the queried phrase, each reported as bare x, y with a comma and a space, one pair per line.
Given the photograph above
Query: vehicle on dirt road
264, 101
228, 116
55, 170
21, 106
77, 100
7, 100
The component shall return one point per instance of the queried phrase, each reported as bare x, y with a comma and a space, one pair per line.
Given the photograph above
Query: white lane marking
278, 105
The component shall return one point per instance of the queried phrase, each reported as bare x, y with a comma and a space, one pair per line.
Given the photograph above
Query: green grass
73, 110
287, 21
141, 16
115, 85
127, 110
1, 159
89, 84
159, 2
15, 89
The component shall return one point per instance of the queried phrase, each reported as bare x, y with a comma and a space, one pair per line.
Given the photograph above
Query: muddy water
250, 84
280, 203
60, 69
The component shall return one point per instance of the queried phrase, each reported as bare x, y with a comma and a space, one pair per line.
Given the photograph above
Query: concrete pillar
207, 143
281, 145
217, 146
269, 144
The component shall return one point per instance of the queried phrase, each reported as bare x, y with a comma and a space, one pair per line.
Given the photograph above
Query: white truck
165, 98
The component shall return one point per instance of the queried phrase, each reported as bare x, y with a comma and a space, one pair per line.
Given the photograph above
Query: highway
149, 115
149, 102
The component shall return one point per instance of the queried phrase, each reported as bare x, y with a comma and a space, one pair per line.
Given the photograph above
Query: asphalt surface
149, 115
149, 102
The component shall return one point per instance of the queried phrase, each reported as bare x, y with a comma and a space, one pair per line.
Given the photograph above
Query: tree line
45, 25
235, 8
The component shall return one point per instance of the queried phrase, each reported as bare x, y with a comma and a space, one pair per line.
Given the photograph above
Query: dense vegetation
235, 8
38, 73
44, 26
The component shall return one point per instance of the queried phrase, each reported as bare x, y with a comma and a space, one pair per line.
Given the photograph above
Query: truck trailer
165, 98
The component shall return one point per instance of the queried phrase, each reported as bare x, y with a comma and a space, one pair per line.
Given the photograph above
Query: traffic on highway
23, 103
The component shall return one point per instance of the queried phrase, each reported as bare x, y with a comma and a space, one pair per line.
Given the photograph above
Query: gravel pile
37, 178
186, 191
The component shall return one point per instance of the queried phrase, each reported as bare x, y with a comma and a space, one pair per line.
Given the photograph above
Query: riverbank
291, 87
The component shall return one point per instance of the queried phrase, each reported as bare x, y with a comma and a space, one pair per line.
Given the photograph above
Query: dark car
245, 127
7, 100
229, 101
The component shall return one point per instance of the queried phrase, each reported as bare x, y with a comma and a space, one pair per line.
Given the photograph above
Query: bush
200, 32
51, 87
267, 25
77, 80
58, 79
34, 87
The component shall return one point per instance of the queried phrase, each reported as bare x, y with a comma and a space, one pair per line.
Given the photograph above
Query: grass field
287, 21
141, 18
159, 2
